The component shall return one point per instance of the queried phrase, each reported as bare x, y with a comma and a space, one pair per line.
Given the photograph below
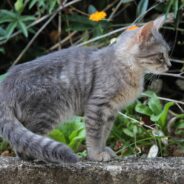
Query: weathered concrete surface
126, 171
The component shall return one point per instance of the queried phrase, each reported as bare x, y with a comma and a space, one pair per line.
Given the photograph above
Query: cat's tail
30, 145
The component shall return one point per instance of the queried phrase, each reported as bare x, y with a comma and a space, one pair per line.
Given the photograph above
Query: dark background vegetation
154, 124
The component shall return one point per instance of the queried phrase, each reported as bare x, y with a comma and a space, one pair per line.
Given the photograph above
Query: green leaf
154, 117
52, 5
2, 77
80, 20
78, 133
23, 28
143, 109
91, 9
135, 130
176, 4
27, 18
169, 6
161, 118
128, 132
11, 27
19, 6
126, 1
180, 116
76, 140
4, 145
142, 7
7, 13
6, 19
57, 135
164, 114
154, 104
2, 51
2, 32
33, 2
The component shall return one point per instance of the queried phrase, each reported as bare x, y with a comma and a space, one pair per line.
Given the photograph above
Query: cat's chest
126, 96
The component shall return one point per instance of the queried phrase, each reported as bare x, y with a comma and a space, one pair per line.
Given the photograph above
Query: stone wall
126, 171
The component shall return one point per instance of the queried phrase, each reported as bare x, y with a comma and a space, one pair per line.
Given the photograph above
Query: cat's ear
163, 19
159, 22
145, 32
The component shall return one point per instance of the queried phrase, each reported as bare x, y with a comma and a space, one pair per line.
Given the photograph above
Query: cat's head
146, 46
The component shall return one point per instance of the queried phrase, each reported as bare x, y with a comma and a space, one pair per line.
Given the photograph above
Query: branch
117, 30
177, 61
42, 19
62, 41
41, 29
166, 99
141, 123
179, 75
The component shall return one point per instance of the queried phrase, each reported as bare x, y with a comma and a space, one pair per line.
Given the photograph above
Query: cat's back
60, 58
44, 71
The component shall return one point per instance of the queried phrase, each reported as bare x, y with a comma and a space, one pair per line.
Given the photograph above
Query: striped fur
35, 96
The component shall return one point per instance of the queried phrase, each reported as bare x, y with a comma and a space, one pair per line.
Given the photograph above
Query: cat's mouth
158, 70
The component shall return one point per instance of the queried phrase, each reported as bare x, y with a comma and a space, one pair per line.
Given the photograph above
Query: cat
96, 83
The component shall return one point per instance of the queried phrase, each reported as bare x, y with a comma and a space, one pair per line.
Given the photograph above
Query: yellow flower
97, 16
134, 27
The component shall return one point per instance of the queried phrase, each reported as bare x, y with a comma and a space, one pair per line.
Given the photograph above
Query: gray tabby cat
35, 96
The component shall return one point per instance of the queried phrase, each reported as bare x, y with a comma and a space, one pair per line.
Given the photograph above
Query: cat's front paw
110, 151
106, 155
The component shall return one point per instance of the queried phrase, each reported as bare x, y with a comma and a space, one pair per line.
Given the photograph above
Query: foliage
17, 18
141, 127
145, 124
11, 21
71, 133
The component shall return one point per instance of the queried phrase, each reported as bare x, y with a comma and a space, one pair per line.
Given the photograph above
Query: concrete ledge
126, 171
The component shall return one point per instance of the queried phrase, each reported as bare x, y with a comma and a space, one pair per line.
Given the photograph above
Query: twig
62, 41
115, 31
177, 61
102, 36
166, 99
173, 28
41, 19
110, 5
79, 11
134, 120
179, 75
41, 29
59, 27
33, 39
114, 10
180, 108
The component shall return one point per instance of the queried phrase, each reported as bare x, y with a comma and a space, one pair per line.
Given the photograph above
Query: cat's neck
125, 65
